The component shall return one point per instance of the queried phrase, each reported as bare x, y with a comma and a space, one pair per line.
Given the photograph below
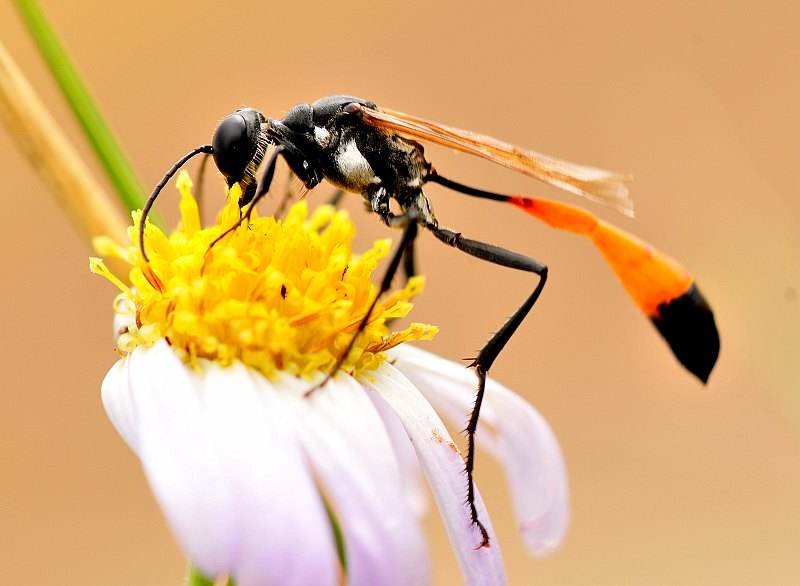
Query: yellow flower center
276, 294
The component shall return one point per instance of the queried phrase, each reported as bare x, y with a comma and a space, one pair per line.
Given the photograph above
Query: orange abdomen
660, 286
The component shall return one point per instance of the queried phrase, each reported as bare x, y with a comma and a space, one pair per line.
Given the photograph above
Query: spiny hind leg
491, 350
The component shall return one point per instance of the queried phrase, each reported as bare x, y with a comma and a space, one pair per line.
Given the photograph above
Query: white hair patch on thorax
322, 136
353, 165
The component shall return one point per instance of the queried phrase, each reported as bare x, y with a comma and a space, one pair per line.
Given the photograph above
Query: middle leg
408, 221
409, 260
288, 195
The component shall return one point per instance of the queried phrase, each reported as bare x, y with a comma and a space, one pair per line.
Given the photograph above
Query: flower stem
338, 536
105, 146
46, 146
195, 578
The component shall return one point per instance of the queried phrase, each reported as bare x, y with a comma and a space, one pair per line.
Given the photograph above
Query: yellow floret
277, 295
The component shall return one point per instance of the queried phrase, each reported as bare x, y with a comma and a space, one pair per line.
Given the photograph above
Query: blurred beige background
672, 483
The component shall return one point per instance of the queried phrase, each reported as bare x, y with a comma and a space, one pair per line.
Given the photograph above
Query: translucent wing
596, 184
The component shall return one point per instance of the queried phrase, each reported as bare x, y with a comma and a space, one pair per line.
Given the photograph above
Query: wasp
374, 152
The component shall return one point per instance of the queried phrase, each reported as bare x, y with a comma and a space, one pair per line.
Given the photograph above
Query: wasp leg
336, 198
378, 200
379, 203
263, 189
410, 261
409, 268
488, 354
288, 194
410, 230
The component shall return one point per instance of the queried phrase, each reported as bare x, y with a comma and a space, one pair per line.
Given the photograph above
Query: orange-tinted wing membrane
596, 184
661, 287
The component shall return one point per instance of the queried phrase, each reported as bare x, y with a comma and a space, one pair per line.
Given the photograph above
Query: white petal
179, 457
283, 531
220, 455
350, 451
416, 493
518, 436
535, 468
444, 468
115, 392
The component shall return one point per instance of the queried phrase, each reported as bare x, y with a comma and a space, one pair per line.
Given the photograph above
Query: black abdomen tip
687, 324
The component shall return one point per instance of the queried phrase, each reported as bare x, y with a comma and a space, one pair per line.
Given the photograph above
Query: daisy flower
267, 485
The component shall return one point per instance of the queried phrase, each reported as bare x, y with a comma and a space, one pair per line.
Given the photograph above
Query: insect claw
473, 512
484, 535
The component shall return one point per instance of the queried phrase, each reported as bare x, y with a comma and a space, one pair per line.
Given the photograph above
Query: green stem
338, 536
105, 146
195, 578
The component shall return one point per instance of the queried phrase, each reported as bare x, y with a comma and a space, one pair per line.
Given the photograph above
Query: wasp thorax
235, 142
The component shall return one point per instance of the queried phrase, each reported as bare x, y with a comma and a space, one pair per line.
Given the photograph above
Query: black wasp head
235, 142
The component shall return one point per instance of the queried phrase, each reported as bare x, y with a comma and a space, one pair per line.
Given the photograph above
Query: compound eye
232, 147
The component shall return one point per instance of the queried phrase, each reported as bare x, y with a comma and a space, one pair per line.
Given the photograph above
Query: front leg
260, 191
288, 194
